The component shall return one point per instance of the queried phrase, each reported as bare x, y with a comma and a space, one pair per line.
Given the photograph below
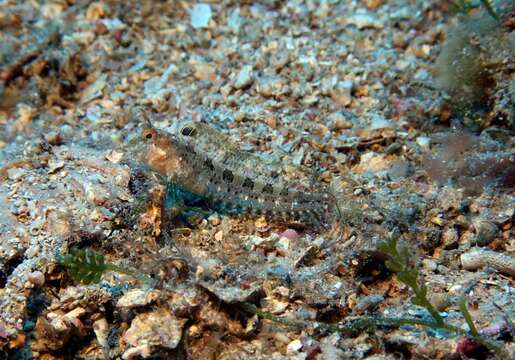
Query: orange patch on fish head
163, 155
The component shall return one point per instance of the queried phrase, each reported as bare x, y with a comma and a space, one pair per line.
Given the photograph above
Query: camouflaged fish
214, 174
207, 140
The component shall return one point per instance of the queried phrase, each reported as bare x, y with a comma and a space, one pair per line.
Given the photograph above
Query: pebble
450, 238
429, 265
150, 330
219, 235
337, 121
400, 169
214, 219
245, 78
235, 20
260, 222
204, 72
379, 122
270, 86
16, 173
200, 15
137, 298
37, 278
95, 193
54, 166
368, 303
294, 347
365, 20
424, 142
290, 234
373, 4
341, 93
484, 230
283, 243
422, 75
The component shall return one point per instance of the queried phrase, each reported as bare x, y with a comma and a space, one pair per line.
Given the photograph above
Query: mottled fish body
217, 175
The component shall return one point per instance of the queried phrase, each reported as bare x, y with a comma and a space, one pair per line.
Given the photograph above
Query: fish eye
188, 131
149, 134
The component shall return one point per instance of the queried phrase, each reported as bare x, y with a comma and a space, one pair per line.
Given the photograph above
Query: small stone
429, 264
274, 306
368, 303
364, 20
219, 235
260, 222
214, 219
115, 156
337, 121
450, 238
400, 169
404, 12
280, 60
235, 20
283, 243
379, 122
424, 142
271, 121
37, 278
54, 166
327, 84
101, 330
245, 78
373, 4
341, 93
151, 330
267, 243
437, 220
422, 75
455, 290
95, 193
240, 115
95, 11
200, 15
393, 148
204, 72
54, 138
372, 162
94, 90
294, 347
290, 234
136, 298
270, 86
400, 41
484, 230
16, 173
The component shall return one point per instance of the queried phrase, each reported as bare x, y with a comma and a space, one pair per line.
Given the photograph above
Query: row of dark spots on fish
308, 213
227, 177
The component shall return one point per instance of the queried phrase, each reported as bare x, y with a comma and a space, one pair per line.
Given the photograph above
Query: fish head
165, 154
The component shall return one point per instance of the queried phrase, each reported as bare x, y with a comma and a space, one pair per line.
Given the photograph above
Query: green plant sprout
398, 263
87, 266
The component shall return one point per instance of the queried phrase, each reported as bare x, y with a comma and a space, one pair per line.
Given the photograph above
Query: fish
204, 138
230, 179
